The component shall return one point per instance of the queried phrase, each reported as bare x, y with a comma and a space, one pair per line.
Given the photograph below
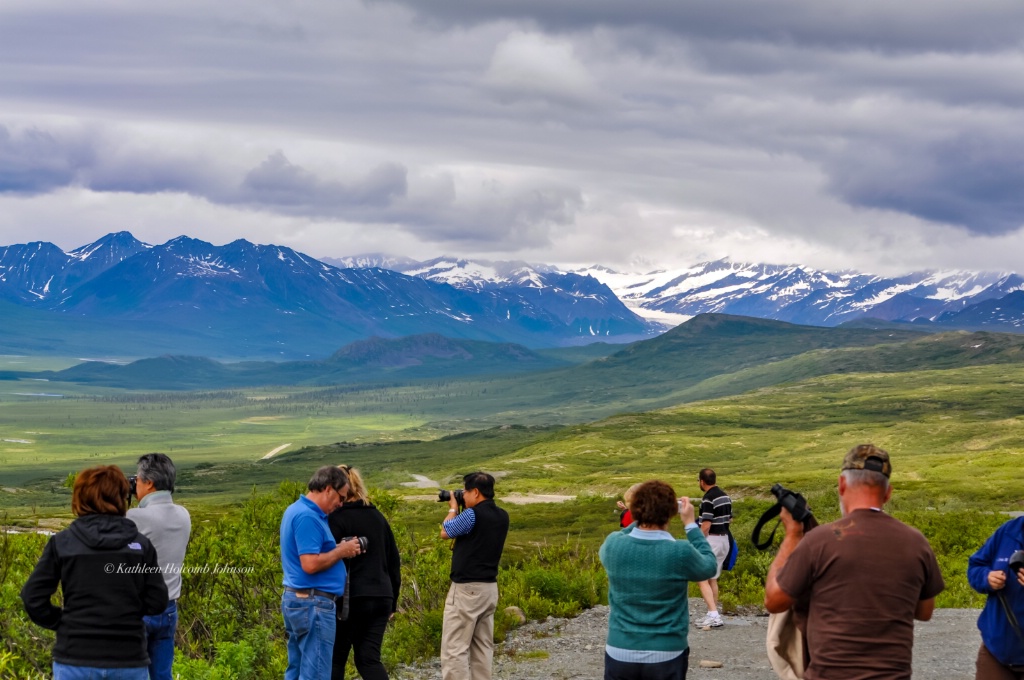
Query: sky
874, 135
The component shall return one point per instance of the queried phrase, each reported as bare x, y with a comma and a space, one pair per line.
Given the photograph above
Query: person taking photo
467, 632
993, 571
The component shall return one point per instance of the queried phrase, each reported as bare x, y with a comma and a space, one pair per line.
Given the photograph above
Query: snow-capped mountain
783, 292
804, 295
243, 299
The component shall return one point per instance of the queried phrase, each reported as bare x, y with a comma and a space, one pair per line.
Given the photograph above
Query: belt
312, 591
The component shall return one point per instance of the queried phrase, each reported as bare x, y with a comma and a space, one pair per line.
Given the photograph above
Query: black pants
666, 670
363, 632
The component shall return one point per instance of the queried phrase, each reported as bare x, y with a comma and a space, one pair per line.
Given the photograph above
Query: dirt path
276, 451
944, 649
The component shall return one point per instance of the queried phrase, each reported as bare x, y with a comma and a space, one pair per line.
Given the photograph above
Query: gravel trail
944, 648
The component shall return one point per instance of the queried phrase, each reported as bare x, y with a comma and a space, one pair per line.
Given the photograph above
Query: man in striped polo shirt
715, 515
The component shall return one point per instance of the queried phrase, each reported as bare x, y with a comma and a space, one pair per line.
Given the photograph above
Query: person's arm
40, 586
310, 536
314, 563
980, 574
705, 565
925, 609
776, 600
458, 525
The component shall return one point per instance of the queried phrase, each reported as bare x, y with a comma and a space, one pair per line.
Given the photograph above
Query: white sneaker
712, 620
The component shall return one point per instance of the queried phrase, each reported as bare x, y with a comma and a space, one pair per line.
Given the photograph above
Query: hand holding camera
687, 513
793, 513
456, 499
355, 545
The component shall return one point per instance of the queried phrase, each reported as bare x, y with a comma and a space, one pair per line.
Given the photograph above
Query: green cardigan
648, 583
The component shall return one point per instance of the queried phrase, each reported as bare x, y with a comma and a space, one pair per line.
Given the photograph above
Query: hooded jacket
996, 632
110, 579
378, 571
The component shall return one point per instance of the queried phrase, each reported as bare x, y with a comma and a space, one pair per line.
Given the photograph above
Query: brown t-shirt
864, 575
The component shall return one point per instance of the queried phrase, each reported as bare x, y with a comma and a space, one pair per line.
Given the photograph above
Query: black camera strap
770, 514
1010, 616
341, 610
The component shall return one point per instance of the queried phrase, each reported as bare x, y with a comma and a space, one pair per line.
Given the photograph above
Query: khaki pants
467, 635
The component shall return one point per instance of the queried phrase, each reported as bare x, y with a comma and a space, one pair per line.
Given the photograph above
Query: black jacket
110, 578
378, 571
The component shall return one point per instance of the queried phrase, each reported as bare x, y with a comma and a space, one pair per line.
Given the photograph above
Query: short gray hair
327, 476
866, 478
158, 469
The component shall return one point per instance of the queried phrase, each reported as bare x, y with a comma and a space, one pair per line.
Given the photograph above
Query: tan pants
467, 635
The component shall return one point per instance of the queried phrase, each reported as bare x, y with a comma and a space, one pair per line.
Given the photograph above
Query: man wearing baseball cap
866, 577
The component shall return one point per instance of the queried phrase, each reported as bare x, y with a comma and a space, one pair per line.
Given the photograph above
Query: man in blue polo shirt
314, 575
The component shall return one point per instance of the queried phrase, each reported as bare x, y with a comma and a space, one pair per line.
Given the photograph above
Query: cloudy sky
878, 135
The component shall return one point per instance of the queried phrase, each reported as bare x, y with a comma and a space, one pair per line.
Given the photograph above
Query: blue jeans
65, 672
160, 641
311, 624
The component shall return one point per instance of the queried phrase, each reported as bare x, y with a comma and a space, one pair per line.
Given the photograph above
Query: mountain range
798, 294
119, 296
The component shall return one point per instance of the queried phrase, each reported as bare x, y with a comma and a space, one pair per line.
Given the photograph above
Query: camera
792, 501
364, 542
132, 490
788, 500
1017, 561
444, 495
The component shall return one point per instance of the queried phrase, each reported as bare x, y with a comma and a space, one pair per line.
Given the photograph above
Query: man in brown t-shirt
866, 578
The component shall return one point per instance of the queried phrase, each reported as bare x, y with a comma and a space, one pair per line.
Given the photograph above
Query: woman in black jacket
374, 580
110, 578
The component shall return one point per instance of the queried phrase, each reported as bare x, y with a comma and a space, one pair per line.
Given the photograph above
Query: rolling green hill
416, 357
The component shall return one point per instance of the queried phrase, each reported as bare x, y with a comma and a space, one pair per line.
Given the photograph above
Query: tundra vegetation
948, 409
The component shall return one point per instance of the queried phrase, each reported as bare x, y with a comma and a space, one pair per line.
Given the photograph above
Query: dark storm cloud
34, 161
974, 180
872, 24
279, 184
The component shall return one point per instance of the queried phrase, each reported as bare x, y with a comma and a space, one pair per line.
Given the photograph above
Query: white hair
866, 478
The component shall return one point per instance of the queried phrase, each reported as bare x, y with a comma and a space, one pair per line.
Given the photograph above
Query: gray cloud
34, 161
974, 180
279, 184
917, 25
651, 128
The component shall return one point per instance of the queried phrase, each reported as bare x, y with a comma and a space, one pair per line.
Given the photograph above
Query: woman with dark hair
375, 578
110, 578
648, 586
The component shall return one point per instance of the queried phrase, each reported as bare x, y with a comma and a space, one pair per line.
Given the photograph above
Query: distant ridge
365, 361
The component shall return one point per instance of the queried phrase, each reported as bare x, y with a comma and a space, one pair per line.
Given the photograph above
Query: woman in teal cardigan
648, 586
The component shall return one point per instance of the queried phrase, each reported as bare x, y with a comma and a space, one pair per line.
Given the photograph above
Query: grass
955, 435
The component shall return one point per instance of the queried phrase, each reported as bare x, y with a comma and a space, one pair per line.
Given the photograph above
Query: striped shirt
461, 524
716, 507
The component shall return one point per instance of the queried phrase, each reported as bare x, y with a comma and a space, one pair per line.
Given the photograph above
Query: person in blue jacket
1002, 647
